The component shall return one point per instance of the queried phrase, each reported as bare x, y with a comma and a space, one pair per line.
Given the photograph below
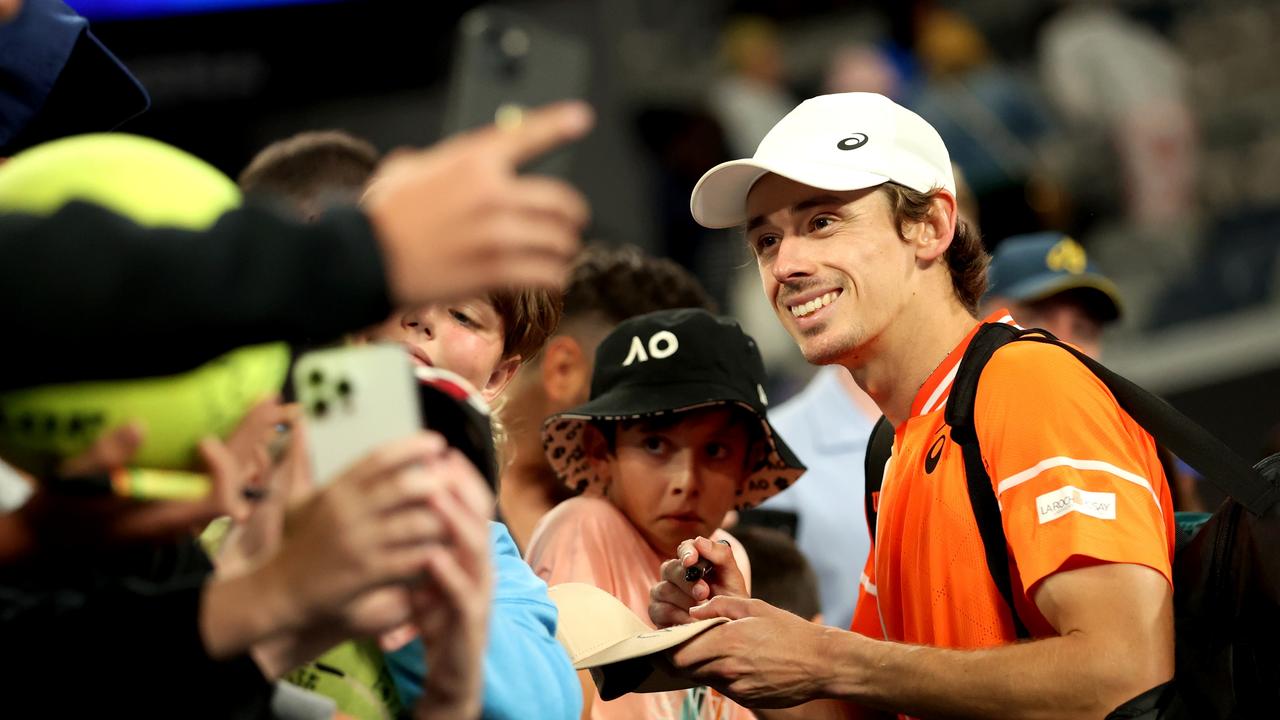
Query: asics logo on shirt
935, 454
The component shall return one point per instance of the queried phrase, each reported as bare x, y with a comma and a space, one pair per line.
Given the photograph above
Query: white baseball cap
602, 635
847, 141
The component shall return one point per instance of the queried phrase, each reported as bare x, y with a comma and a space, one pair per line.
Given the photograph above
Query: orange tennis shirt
1078, 483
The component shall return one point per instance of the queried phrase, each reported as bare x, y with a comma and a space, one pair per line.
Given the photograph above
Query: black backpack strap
1175, 431
879, 448
959, 415
1191, 443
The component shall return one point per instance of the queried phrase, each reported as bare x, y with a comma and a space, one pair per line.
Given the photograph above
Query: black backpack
1226, 578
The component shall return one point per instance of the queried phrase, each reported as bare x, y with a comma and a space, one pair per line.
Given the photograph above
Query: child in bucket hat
674, 436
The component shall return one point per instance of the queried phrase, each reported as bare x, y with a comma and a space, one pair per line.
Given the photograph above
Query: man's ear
566, 373
500, 378
932, 236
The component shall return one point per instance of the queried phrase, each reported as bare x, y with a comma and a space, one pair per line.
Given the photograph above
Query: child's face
464, 337
677, 482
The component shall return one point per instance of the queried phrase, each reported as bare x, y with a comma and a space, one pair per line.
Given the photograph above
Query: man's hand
670, 599
456, 220
765, 657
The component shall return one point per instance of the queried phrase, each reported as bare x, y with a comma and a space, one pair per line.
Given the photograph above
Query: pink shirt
589, 540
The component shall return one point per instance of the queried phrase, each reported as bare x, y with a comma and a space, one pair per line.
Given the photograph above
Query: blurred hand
370, 528
456, 220
284, 485
452, 605
454, 493
671, 599
251, 441
53, 521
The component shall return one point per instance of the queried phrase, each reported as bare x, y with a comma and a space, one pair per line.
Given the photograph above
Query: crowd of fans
167, 549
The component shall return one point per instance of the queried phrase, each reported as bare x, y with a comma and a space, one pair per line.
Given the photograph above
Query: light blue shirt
527, 674
829, 434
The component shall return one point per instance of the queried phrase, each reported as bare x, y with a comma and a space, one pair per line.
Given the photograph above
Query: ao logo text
662, 344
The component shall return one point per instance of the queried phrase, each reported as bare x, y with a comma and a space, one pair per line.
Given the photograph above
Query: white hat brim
719, 200
647, 643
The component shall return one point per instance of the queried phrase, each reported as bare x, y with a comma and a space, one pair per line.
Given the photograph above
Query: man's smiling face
832, 264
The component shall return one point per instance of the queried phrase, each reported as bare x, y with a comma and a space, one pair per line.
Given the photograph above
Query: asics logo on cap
853, 142
662, 344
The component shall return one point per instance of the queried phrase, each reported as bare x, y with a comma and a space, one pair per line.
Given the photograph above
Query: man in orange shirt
849, 205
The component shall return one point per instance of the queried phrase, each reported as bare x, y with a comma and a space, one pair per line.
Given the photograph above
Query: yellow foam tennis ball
149, 182
153, 184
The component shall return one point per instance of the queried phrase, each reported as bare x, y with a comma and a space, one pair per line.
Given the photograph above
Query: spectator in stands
753, 95
1046, 280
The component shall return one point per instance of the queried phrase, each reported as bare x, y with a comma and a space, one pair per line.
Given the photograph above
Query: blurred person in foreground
255, 276
850, 207
606, 286
114, 577
485, 339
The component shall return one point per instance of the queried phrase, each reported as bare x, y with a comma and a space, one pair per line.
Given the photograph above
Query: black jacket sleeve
87, 294
119, 633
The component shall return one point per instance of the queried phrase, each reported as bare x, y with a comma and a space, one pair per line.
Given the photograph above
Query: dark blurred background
1149, 129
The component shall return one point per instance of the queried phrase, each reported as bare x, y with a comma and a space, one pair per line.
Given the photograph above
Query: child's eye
717, 451
654, 444
462, 317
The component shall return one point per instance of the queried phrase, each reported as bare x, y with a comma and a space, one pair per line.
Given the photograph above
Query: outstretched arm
1115, 625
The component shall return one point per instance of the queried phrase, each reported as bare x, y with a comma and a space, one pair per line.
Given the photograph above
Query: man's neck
860, 399
895, 365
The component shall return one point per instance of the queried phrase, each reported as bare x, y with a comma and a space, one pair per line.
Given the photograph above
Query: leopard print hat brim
773, 466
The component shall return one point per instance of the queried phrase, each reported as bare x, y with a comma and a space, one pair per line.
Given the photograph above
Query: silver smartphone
355, 399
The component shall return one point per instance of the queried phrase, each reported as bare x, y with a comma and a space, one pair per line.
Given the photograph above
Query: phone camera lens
316, 377
514, 43
344, 388
320, 409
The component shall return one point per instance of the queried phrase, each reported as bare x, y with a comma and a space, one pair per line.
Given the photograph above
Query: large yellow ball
157, 185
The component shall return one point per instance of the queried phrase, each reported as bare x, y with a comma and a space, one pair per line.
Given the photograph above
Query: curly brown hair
967, 258
622, 282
